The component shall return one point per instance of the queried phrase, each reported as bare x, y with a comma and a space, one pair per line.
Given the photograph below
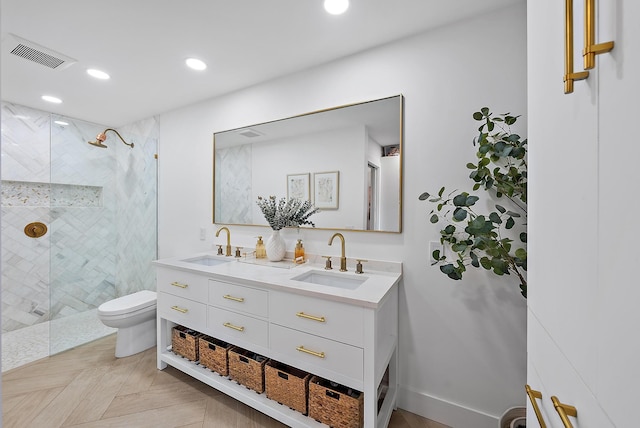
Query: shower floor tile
32, 343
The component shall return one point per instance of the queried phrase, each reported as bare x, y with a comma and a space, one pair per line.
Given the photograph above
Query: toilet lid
129, 303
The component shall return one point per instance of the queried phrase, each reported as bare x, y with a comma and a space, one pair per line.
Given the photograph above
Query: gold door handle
179, 309
235, 327
179, 284
235, 299
532, 397
564, 410
569, 75
310, 317
591, 49
308, 351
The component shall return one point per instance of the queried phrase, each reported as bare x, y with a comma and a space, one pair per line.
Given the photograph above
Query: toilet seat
129, 303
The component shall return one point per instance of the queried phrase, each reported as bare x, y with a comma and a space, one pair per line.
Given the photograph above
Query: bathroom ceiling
143, 44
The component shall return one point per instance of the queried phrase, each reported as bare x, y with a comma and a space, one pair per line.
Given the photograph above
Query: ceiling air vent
39, 54
250, 133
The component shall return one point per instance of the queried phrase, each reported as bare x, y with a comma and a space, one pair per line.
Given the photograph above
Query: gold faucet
228, 253
343, 258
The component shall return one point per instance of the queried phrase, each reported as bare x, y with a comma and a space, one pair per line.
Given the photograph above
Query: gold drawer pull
591, 49
569, 75
235, 327
533, 394
310, 317
564, 410
307, 351
178, 284
179, 309
235, 299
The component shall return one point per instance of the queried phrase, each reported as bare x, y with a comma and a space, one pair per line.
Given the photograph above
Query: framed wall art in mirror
354, 152
326, 187
298, 186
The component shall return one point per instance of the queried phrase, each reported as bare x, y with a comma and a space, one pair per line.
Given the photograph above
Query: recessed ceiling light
196, 64
336, 7
51, 99
60, 122
98, 74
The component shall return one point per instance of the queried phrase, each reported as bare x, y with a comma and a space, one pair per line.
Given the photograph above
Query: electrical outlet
433, 246
203, 234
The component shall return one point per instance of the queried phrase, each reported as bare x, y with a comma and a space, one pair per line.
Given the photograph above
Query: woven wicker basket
335, 405
287, 385
247, 368
184, 341
214, 354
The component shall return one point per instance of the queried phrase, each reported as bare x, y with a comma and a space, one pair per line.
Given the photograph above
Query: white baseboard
442, 411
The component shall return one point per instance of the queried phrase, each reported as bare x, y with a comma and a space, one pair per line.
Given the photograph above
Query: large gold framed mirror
347, 160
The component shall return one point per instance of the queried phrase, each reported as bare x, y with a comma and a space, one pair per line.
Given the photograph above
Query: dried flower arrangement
284, 213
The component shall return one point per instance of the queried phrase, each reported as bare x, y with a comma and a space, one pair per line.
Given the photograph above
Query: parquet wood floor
89, 387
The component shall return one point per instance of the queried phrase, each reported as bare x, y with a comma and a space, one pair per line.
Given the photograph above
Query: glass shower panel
83, 233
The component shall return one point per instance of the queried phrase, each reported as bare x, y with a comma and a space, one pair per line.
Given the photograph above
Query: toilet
134, 316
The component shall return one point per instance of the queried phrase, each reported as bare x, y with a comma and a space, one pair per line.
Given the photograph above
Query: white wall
462, 344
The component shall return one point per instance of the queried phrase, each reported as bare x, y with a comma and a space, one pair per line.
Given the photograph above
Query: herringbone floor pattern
88, 387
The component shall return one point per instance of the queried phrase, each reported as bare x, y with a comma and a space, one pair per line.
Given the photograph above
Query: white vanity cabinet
329, 333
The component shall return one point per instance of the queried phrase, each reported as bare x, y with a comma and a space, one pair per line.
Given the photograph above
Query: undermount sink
206, 260
330, 279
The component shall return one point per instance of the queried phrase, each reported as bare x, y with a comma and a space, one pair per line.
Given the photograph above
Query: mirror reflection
346, 160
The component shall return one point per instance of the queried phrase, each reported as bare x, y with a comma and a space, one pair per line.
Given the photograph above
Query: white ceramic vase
276, 247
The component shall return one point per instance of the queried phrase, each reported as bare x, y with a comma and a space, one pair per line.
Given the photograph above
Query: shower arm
117, 133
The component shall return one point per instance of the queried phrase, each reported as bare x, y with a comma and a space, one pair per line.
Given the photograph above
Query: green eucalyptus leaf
471, 165
501, 209
523, 237
441, 191
459, 214
447, 268
471, 200
494, 217
450, 229
485, 263
521, 253
460, 200
434, 218
477, 115
485, 111
510, 223
424, 196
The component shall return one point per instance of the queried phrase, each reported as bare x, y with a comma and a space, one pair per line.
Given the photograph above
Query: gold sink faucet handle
359, 265
327, 265
219, 249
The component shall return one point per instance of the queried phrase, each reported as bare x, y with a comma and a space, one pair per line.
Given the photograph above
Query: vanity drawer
182, 311
239, 298
310, 349
184, 284
229, 326
333, 320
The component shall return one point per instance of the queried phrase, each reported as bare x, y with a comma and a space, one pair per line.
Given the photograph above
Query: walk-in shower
93, 234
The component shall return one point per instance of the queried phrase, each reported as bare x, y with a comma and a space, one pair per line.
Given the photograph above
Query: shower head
101, 137
97, 144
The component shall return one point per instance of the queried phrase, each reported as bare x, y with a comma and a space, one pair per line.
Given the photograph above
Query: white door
583, 257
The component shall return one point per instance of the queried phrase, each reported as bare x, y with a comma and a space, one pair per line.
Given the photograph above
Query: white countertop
379, 276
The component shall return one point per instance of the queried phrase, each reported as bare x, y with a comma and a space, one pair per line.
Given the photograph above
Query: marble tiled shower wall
98, 204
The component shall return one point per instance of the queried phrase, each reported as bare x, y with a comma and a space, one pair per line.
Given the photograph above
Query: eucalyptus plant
495, 241
286, 213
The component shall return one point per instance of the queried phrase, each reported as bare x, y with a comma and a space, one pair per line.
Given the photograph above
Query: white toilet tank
130, 303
